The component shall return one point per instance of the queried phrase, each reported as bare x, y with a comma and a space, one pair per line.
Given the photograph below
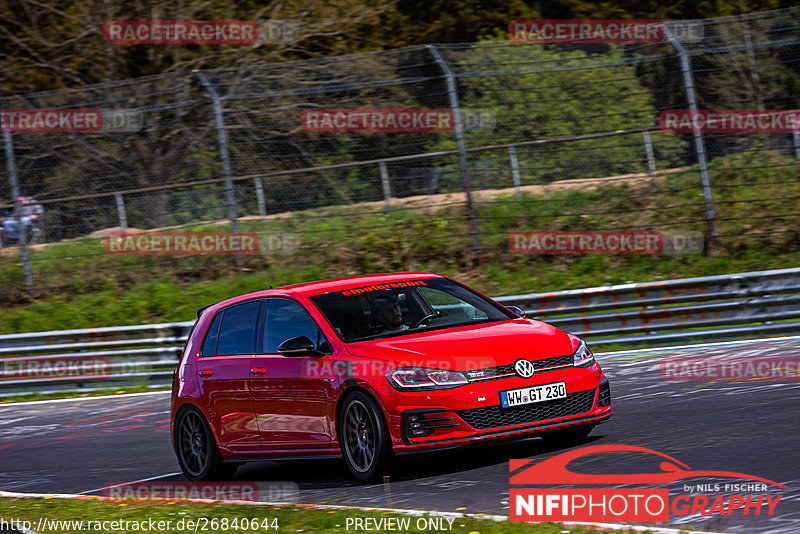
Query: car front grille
495, 416
489, 372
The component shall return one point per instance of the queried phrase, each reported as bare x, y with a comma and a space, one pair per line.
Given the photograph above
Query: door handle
206, 373
259, 371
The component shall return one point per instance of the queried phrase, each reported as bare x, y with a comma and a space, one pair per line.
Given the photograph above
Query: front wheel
364, 438
197, 450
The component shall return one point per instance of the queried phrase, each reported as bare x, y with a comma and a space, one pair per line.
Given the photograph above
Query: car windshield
398, 308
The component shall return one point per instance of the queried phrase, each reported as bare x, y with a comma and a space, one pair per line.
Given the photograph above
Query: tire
569, 434
196, 448
364, 437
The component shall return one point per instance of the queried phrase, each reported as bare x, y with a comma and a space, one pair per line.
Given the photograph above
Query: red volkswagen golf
370, 367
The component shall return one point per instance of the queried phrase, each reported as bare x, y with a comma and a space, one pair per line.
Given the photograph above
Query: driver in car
386, 312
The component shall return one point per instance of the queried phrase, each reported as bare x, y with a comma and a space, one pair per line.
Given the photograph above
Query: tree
541, 92
58, 44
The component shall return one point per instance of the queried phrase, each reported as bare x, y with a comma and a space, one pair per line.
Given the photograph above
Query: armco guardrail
686, 310
654, 313
92, 358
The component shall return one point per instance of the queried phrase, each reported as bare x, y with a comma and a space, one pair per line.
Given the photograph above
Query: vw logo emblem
524, 368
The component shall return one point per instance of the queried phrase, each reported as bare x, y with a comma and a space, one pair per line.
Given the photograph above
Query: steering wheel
425, 319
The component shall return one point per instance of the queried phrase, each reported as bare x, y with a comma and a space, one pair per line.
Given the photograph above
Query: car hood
469, 347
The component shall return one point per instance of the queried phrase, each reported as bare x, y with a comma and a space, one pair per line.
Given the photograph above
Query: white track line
697, 346
129, 483
455, 515
17, 420
96, 397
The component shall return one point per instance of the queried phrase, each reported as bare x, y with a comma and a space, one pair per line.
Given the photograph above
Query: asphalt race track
79, 446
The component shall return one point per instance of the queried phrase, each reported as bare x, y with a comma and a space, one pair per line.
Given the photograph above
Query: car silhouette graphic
554, 470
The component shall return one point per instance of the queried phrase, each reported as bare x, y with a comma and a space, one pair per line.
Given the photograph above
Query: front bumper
434, 419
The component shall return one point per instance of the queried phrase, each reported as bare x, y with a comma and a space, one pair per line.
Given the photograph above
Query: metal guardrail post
12, 177
512, 155
648, 148
688, 81
385, 185
222, 138
123, 218
452, 94
262, 214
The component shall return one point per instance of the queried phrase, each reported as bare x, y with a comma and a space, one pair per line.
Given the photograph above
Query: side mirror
298, 346
519, 311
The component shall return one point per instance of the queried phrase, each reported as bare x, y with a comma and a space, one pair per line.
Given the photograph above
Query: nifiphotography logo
745, 496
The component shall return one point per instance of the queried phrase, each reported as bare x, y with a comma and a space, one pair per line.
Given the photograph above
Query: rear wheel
569, 434
364, 438
197, 450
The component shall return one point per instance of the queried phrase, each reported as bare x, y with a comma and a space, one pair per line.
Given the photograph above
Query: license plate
533, 394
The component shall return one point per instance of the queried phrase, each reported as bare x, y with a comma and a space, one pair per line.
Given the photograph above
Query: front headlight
583, 357
421, 378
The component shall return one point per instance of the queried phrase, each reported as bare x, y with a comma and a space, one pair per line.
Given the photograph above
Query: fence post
123, 219
387, 189
648, 148
512, 155
452, 95
222, 138
12, 177
688, 81
796, 144
262, 214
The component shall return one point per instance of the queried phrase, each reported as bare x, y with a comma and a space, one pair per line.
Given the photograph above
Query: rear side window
210, 344
237, 333
287, 319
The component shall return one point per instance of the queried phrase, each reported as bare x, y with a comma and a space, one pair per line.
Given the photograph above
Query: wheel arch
186, 403
352, 386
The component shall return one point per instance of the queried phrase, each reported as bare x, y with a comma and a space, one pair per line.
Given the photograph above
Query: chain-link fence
549, 137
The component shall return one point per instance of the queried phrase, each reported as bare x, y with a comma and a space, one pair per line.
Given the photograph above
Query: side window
237, 334
210, 343
287, 319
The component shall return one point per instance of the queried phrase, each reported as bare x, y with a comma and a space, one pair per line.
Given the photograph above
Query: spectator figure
30, 212
10, 228
29, 207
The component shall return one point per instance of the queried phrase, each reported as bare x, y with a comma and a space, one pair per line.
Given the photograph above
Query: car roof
317, 287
